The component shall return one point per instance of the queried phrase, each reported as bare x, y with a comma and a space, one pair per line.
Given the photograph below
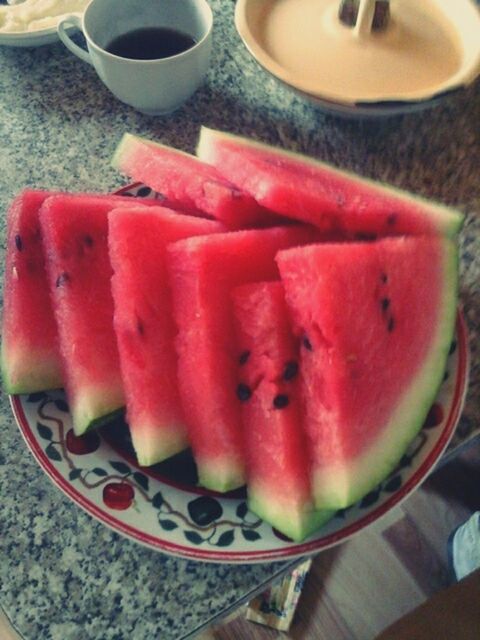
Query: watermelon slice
74, 229
306, 189
376, 321
30, 354
203, 272
278, 464
144, 324
183, 179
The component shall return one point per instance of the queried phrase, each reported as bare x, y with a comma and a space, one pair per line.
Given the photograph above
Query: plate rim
284, 553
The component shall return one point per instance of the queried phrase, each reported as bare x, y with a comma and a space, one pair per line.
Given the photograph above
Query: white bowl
461, 16
29, 38
32, 10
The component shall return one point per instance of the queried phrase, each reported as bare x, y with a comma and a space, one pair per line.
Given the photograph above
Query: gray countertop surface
63, 576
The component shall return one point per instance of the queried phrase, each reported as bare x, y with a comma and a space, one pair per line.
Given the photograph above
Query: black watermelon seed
18, 242
243, 392
391, 325
392, 219
62, 279
384, 278
143, 192
88, 240
385, 302
140, 327
244, 357
281, 401
307, 344
290, 371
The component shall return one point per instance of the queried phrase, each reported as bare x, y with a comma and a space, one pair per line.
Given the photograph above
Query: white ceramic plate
163, 508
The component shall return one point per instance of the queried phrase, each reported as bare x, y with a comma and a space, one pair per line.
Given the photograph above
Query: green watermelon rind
45, 376
220, 475
149, 451
124, 148
294, 520
448, 221
95, 408
409, 415
96, 423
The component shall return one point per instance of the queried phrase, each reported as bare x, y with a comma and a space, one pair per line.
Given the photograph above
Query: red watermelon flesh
144, 324
30, 354
203, 272
74, 229
183, 179
278, 463
376, 321
312, 191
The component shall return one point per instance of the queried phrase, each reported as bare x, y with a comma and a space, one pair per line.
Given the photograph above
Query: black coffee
150, 43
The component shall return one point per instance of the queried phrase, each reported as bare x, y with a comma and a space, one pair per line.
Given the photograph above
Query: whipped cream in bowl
34, 22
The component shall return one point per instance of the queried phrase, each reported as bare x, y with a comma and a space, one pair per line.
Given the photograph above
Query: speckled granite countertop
63, 576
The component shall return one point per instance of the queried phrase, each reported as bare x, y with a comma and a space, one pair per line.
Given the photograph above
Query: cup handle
75, 21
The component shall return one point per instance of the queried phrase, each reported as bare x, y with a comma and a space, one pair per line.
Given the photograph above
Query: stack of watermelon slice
288, 321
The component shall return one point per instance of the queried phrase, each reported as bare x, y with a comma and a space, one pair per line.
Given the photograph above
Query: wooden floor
357, 589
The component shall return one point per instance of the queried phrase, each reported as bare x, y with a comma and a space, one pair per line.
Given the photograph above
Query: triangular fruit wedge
189, 183
74, 231
30, 354
144, 324
376, 321
312, 191
203, 272
278, 462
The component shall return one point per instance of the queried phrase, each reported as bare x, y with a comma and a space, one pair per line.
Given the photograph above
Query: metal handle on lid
364, 16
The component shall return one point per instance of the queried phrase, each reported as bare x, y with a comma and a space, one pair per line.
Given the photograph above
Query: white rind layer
153, 444
94, 406
295, 520
20, 376
222, 475
130, 141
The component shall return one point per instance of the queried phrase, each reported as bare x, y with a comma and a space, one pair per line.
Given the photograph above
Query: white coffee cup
153, 87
